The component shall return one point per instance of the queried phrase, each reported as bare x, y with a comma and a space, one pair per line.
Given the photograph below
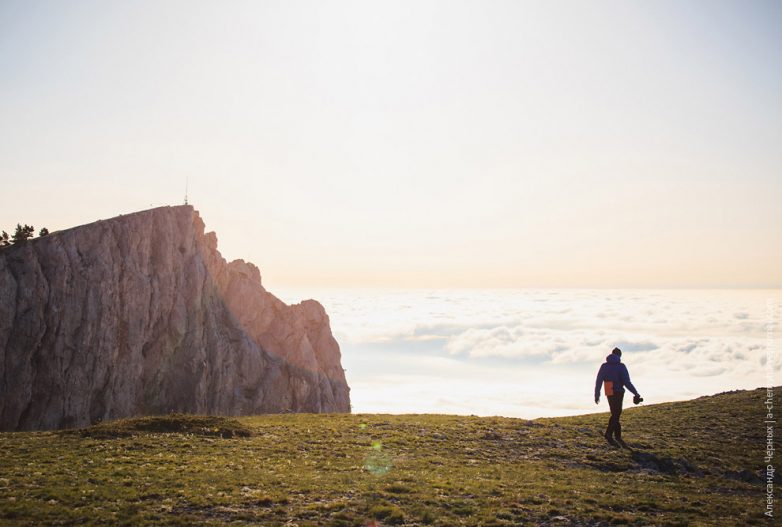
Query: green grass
692, 463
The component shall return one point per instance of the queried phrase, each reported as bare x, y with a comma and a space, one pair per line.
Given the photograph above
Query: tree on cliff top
23, 233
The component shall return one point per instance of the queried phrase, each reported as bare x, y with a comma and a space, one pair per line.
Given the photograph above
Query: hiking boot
622, 443
611, 440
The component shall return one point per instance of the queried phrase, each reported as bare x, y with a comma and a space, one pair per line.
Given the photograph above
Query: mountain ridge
140, 314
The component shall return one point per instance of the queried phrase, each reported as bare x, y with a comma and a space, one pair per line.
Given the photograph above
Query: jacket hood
613, 359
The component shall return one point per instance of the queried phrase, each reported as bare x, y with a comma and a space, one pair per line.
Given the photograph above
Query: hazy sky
449, 143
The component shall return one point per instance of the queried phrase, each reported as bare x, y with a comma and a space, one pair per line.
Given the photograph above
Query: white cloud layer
535, 352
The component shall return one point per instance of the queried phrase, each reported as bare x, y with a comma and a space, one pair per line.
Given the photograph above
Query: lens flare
378, 462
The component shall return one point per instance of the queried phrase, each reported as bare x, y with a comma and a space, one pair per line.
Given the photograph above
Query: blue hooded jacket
615, 374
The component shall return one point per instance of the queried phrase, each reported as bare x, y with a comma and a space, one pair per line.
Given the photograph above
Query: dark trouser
614, 426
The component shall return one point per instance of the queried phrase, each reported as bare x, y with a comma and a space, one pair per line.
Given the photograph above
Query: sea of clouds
531, 353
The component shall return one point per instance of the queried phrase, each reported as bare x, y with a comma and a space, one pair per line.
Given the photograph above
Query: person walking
614, 376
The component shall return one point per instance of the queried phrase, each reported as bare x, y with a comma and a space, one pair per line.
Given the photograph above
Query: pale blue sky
615, 144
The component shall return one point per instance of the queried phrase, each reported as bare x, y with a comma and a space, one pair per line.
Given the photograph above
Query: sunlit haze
412, 144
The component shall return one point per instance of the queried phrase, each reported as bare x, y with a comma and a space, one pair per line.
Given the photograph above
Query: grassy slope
692, 463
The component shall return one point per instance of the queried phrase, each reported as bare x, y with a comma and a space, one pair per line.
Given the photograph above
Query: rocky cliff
140, 314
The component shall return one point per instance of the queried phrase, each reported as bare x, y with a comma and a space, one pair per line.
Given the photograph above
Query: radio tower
186, 177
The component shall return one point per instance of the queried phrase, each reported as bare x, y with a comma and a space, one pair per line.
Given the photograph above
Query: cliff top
165, 209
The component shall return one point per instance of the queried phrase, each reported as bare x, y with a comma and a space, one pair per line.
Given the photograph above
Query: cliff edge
140, 314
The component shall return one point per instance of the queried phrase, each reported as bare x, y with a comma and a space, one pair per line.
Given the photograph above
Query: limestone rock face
140, 314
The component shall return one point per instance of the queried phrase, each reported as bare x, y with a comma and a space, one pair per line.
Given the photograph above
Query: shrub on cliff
23, 233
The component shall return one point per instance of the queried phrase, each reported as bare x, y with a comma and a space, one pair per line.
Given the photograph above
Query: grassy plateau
697, 462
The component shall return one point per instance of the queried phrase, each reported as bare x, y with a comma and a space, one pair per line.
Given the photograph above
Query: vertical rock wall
139, 315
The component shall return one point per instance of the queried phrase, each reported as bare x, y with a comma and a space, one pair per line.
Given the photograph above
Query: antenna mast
186, 178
